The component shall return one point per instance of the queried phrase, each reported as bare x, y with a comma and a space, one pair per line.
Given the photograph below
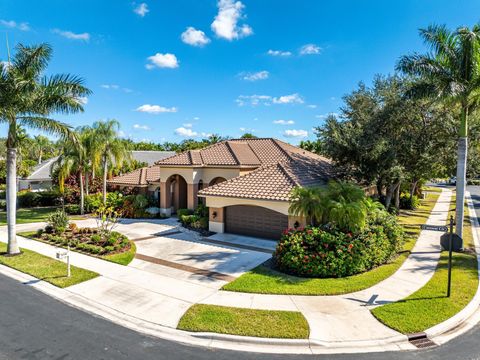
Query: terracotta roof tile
139, 177
276, 181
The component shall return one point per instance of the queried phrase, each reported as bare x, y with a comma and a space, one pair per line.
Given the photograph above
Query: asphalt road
35, 326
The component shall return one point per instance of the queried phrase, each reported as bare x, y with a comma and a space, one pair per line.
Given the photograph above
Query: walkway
162, 296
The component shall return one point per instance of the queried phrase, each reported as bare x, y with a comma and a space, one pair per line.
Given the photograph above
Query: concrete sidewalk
161, 298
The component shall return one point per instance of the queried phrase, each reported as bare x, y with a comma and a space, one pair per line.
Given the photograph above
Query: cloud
156, 109
162, 61
196, 118
141, 127
194, 37
268, 100
225, 25
278, 53
311, 106
324, 116
288, 99
23, 26
259, 75
188, 125
295, 133
110, 86
284, 122
310, 49
141, 9
185, 132
71, 35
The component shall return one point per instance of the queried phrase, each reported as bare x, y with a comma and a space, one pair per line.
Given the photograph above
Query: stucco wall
219, 202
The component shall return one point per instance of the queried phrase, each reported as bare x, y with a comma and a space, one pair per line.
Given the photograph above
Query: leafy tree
27, 98
306, 202
248, 136
450, 72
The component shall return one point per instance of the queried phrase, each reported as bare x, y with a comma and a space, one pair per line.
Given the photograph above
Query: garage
255, 221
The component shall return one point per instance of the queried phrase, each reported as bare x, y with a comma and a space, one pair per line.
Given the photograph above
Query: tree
450, 72
41, 144
27, 98
306, 202
248, 136
111, 149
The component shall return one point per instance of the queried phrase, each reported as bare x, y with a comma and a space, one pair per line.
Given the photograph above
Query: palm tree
27, 98
111, 149
41, 144
92, 152
307, 202
451, 72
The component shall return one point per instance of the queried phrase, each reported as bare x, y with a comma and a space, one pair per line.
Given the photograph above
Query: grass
45, 268
429, 305
123, 258
264, 280
32, 215
245, 322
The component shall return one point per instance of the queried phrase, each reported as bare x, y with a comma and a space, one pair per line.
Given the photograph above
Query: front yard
265, 280
31, 215
45, 268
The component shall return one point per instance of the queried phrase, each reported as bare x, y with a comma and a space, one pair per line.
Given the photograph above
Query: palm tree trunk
12, 247
82, 198
461, 171
86, 182
105, 181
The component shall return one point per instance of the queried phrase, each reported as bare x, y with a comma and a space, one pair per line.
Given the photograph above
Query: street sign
434, 228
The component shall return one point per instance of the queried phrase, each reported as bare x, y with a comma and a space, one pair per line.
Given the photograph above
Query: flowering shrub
328, 252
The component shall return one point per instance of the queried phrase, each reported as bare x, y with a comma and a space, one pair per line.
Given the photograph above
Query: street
35, 326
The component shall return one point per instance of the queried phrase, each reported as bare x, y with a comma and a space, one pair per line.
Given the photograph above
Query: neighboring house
150, 157
39, 179
246, 183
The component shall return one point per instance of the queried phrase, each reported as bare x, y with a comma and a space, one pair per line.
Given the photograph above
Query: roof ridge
282, 167
227, 144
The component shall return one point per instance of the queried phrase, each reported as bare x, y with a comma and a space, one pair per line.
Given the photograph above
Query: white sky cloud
156, 109
71, 35
278, 53
194, 37
324, 116
312, 106
196, 118
141, 9
185, 132
141, 127
310, 49
295, 133
162, 61
284, 122
110, 86
23, 26
187, 125
288, 99
225, 25
259, 75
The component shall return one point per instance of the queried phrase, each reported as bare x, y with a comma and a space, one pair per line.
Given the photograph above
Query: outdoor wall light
296, 225
214, 214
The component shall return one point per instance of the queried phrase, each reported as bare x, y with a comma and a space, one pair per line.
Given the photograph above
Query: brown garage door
255, 221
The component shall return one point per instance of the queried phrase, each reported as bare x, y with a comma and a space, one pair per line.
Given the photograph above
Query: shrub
3, 194
201, 223
109, 248
49, 198
201, 210
28, 199
39, 232
72, 209
49, 229
328, 252
96, 239
409, 203
181, 212
58, 221
189, 219
475, 182
93, 202
3, 204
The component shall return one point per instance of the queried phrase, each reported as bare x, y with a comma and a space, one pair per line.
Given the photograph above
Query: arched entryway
216, 181
176, 194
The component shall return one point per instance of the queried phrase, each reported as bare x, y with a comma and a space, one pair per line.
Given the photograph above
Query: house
246, 183
150, 157
40, 179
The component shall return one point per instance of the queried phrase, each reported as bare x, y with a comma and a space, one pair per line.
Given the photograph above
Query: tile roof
139, 177
237, 153
42, 171
275, 181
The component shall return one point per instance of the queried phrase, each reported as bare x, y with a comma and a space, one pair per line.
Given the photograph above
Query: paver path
347, 317
163, 295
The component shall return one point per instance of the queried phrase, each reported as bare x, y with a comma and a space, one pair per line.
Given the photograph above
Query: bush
328, 252
93, 202
201, 210
58, 221
49, 198
72, 209
182, 212
28, 199
475, 182
3, 204
201, 223
409, 203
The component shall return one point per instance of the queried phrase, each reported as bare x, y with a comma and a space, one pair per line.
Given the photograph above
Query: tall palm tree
92, 152
113, 151
307, 202
41, 144
27, 98
451, 72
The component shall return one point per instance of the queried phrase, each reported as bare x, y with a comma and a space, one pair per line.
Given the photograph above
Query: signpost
450, 247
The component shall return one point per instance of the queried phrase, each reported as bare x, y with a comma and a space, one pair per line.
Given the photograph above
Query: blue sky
169, 70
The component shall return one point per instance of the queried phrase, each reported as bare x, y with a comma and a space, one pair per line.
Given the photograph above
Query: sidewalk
153, 303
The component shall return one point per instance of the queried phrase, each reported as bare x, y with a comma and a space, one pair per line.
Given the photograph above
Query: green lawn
45, 268
264, 280
31, 215
429, 305
245, 322
121, 258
